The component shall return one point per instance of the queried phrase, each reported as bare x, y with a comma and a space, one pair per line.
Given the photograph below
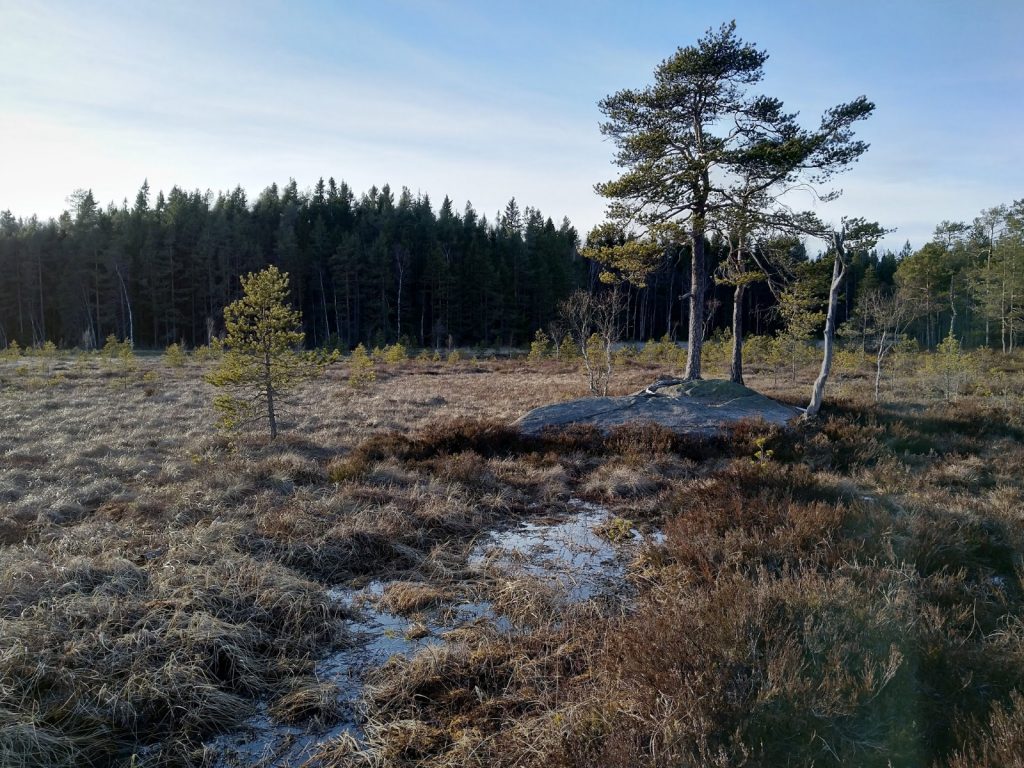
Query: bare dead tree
852, 235
557, 333
889, 313
593, 320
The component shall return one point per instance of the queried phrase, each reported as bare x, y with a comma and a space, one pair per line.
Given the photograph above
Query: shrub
644, 439
174, 356
1001, 743
661, 351
568, 351
599, 363
114, 349
396, 353
624, 355
949, 367
717, 353
212, 351
361, 368
48, 350
757, 350
120, 358
540, 347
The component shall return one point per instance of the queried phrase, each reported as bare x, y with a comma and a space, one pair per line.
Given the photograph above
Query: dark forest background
376, 269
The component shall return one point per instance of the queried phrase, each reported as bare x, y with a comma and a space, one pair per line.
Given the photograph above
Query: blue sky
483, 101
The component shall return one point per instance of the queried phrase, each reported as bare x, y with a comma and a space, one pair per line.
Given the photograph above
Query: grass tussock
308, 701
847, 593
158, 580
111, 658
823, 597
407, 597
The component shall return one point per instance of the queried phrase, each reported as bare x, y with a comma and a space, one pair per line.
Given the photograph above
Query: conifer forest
376, 270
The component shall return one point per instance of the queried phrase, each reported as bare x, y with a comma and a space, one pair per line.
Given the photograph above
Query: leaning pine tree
263, 359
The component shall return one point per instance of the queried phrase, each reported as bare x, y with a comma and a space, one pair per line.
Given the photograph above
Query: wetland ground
402, 579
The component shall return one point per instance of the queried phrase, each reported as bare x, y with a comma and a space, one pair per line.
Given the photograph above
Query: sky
485, 101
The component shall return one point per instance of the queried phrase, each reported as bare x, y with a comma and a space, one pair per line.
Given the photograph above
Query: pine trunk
736, 367
271, 416
696, 321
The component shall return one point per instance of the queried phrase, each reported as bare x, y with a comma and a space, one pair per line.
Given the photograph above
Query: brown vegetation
847, 594
845, 604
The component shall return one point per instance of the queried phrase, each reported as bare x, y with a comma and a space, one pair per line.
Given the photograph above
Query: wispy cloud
445, 98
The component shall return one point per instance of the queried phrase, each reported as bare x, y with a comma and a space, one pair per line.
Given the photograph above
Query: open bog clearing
404, 578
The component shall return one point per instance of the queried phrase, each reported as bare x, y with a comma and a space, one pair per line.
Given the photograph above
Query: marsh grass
854, 597
159, 579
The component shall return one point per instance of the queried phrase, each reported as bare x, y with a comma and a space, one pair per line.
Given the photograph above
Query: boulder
700, 407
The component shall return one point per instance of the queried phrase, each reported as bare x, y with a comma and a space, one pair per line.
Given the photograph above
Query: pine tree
262, 361
696, 145
361, 368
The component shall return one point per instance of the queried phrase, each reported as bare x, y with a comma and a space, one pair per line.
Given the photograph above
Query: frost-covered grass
848, 593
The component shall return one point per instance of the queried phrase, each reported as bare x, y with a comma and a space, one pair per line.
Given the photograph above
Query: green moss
715, 389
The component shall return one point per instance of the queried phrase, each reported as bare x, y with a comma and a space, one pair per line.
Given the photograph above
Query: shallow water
564, 551
568, 553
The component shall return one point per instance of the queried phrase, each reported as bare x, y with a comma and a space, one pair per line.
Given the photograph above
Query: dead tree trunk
838, 273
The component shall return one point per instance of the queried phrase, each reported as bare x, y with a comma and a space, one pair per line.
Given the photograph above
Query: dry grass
157, 579
409, 597
854, 597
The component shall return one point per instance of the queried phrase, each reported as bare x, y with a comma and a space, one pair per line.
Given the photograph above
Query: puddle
564, 551
568, 552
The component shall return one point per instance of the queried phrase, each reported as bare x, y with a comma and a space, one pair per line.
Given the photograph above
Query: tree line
968, 281
372, 269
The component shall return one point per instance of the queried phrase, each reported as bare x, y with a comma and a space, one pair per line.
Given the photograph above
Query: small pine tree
949, 367
120, 357
361, 373
568, 351
13, 351
174, 356
798, 307
540, 347
205, 353
396, 353
261, 360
